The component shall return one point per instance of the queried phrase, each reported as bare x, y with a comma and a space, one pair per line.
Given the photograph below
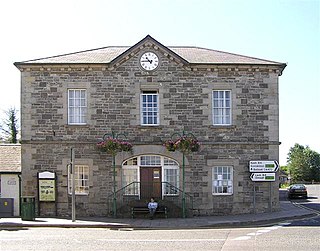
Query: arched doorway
150, 176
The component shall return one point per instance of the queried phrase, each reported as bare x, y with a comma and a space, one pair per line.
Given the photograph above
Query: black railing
131, 193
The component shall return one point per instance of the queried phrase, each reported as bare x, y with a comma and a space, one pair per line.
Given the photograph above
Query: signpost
265, 171
263, 176
263, 166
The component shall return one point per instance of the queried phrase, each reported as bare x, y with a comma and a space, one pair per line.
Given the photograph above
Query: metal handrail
123, 199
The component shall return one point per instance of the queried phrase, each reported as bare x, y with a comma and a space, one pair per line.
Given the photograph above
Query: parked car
297, 190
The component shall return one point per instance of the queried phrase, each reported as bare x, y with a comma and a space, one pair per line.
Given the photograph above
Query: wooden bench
145, 210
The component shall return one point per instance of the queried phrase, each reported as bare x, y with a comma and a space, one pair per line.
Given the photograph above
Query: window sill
222, 126
78, 125
222, 194
81, 194
149, 127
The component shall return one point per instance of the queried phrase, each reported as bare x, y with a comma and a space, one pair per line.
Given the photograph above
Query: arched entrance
150, 176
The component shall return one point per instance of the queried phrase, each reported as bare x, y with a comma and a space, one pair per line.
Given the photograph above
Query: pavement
288, 211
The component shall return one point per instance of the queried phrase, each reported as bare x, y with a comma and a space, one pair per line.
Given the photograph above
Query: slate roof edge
141, 42
26, 62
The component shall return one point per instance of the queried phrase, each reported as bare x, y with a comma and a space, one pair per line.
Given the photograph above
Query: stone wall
185, 104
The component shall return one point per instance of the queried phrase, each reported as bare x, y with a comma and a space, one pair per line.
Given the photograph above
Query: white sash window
221, 103
149, 108
77, 106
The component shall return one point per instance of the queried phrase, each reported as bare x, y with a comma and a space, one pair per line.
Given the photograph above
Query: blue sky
286, 31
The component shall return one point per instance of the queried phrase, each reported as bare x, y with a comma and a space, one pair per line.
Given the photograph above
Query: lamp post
184, 150
113, 135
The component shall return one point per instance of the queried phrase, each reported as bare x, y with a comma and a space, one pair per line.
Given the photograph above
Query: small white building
10, 170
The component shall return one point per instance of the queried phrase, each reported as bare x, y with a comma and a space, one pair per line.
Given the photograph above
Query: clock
149, 61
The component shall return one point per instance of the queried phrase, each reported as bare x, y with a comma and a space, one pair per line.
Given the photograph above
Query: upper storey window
77, 106
149, 108
221, 102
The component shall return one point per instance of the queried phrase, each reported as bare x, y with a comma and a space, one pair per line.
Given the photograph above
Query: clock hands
147, 60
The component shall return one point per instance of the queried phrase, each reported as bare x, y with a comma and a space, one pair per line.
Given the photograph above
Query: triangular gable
148, 41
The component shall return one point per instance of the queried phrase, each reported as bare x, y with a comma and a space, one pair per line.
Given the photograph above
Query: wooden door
150, 182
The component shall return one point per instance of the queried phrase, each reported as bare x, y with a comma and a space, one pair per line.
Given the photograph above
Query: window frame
229, 181
81, 118
151, 110
222, 110
171, 165
77, 179
135, 191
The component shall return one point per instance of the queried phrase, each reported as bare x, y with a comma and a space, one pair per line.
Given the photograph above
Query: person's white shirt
152, 205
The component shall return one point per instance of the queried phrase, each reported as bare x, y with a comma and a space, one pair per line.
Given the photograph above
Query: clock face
149, 61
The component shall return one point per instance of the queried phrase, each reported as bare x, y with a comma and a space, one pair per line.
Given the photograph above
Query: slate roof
191, 55
10, 158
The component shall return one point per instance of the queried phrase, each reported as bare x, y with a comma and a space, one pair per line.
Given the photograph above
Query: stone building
151, 93
10, 171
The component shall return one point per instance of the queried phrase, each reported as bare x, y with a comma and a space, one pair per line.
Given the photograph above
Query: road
295, 235
276, 237
313, 203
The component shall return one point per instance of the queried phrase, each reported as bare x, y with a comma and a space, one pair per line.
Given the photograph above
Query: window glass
150, 160
81, 178
171, 177
130, 181
149, 108
131, 162
222, 180
170, 162
171, 181
221, 107
77, 106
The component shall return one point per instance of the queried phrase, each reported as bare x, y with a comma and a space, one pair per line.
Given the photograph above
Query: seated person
152, 205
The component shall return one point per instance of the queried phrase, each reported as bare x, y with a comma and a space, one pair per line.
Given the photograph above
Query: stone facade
113, 104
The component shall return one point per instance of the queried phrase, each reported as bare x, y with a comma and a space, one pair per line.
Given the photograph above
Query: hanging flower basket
184, 144
170, 145
187, 144
112, 146
125, 146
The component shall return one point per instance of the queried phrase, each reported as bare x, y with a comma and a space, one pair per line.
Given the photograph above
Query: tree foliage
303, 164
9, 127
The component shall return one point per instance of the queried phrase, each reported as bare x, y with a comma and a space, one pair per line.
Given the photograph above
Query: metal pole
254, 197
270, 194
183, 187
114, 186
73, 199
183, 173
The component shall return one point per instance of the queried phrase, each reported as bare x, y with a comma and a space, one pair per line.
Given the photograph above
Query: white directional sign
263, 166
263, 177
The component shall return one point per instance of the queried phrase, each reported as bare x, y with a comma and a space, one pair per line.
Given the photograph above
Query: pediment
148, 43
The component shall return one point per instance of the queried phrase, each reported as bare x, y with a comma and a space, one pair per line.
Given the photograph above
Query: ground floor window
222, 180
130, 182
171, 177
81, 178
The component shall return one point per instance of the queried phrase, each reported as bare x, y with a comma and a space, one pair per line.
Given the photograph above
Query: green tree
313, 159
9, 126
285, 169
303, 164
